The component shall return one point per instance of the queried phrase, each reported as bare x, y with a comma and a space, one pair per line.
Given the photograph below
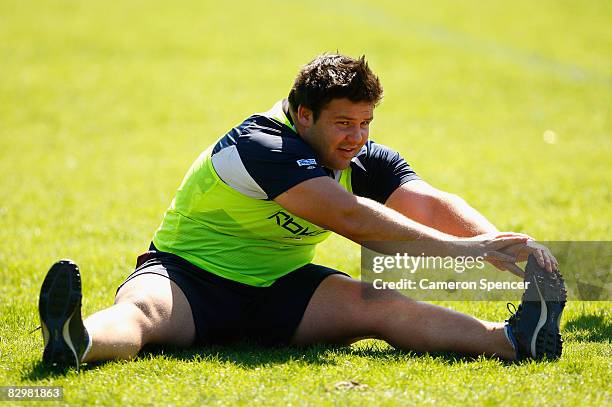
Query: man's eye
365, 124
344, 123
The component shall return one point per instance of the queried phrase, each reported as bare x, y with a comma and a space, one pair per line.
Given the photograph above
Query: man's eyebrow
341, 117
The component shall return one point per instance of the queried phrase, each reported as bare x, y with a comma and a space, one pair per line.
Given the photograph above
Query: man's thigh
166, 313
343, 310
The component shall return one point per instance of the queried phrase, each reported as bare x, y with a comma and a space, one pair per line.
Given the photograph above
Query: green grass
104, 106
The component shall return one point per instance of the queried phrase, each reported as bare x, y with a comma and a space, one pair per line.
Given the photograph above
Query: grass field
104, 106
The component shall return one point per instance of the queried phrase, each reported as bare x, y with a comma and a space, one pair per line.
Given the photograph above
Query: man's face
340, 131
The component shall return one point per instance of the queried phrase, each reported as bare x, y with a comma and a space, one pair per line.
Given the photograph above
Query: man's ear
305, 116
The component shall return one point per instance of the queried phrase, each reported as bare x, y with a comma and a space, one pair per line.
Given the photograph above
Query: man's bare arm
440, 210
323, 202
449, 213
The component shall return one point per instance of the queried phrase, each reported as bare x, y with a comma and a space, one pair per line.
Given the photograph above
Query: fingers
498, 256
514, 269
543, 256
541, 259
512, 234
510, 247
521, 245
506, 241
498, 264
546, 260
508, 266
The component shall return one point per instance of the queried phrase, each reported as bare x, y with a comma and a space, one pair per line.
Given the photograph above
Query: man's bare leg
148, 309
339, 312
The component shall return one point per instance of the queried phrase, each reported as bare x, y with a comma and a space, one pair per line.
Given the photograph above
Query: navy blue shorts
225, 311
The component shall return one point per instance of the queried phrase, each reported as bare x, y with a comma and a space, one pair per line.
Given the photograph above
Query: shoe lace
34, 330
514, 311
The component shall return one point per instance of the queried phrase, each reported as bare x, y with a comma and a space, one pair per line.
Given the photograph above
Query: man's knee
143, 311
160, 309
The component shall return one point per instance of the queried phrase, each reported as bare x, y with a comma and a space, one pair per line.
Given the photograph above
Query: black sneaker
534, 327
59, 307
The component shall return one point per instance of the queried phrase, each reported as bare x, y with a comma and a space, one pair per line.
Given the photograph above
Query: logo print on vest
286, 221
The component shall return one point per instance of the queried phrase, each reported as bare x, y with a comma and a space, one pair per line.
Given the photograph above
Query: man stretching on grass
232, 258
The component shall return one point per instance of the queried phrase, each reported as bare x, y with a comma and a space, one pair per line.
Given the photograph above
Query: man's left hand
521, 252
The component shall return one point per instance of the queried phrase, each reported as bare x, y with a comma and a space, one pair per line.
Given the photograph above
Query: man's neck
292, 116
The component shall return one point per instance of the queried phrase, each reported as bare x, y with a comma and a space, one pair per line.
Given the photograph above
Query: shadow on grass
589, 328
253, 356
250, 356
39, 371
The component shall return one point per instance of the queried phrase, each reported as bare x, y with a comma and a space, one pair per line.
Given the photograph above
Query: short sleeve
378, 170
278, 163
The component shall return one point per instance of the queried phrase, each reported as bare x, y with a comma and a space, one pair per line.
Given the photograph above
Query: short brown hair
334, 76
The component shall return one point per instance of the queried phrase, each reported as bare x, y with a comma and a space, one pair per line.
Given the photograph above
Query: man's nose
355, 134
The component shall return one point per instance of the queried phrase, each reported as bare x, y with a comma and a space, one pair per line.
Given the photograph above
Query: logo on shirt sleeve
306, 161
310, 162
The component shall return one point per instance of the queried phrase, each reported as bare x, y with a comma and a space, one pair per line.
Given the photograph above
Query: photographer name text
449, 285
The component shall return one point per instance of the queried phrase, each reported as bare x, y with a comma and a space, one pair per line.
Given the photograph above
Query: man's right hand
505, 249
